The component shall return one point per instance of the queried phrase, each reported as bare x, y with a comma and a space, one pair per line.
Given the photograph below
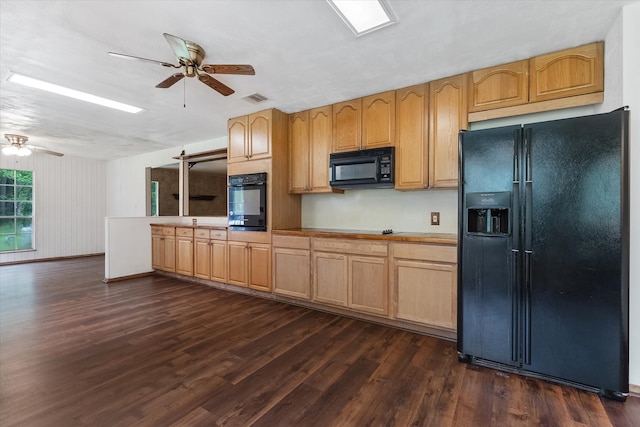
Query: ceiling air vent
255, 98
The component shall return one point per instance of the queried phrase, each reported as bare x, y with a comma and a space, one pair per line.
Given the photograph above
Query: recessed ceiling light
363, 16
71, 93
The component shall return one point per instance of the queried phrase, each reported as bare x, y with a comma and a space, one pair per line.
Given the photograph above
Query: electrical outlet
435, 218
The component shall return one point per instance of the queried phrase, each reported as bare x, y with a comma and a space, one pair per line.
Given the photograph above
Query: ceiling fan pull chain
184, 94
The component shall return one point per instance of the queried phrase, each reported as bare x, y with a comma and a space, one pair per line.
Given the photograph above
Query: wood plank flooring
156, 351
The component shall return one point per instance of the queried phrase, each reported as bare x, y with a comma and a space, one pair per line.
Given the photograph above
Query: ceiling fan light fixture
71, 93
363, 16
10, 150
23, 151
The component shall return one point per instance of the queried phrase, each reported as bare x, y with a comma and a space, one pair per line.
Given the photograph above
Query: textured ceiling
303, 55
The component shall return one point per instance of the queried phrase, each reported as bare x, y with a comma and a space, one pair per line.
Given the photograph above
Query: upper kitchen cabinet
412, 137
310, 141
365, 123
568, 72
250, 136
447, 116
500, 86
379, 120
347, 125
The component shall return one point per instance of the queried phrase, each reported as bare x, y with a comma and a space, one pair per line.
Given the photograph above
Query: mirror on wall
207, 185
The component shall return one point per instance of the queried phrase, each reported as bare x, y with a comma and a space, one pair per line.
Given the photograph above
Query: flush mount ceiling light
363, 16
71, 93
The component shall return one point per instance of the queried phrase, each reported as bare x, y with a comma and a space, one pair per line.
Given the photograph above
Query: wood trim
634, 390
131, 276
536, 107
26, 261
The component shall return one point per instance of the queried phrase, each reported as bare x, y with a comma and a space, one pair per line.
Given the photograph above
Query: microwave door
350, 172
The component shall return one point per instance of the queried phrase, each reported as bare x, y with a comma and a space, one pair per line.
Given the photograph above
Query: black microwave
372, 168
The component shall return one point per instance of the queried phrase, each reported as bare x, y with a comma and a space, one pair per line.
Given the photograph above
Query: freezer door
576, 284
488, 239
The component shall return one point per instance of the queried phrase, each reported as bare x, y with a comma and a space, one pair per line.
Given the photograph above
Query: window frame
17, 235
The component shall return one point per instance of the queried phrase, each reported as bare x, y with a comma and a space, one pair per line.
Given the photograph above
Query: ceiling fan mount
190, 58
18, 146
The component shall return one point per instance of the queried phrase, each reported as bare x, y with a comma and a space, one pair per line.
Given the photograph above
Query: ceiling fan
190, 57
18, 146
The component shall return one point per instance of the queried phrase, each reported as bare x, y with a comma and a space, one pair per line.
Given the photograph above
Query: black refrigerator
543, 255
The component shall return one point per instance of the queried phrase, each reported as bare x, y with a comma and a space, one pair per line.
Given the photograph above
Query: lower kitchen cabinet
210, 254
249, 265
292, 266
352, 274
425, 279
163, 249
184, 251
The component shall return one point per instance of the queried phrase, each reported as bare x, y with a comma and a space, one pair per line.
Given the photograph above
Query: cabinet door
427, 293
292, 272
299, 152
219, 260
237, 145
157, 252
238, 263
412, 138
259, 135
347, 123
500, 86
320, 143
260, 266
447, 116
202, 258
379, 120
369, 284
184, 256
330, 279
569, 72
169, 253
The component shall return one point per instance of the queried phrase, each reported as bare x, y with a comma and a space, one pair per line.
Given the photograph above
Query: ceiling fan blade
43, 150
178, 46
229, 69
170, 81
215, 84
122, 55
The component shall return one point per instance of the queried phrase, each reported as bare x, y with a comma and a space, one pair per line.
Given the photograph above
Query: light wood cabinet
379, 120
347, 125
425, 284
249, 265
447, 116
310, 142
412, 138
568, 72
184, 251
249, 137
351, 273
292, 266
500, 86
210, 254
163, 248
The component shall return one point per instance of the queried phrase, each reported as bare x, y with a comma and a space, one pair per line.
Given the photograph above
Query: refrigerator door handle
527, 308
528, 172
516, 155
515, 336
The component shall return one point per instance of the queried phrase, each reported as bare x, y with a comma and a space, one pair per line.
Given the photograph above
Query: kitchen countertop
443, 238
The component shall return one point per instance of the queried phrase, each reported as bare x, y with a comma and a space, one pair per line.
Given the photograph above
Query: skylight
71, 93
363, 16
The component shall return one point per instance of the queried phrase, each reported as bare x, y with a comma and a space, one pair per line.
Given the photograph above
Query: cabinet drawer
218, 234
168, 231
359, 247
294, 242
201, 233
184, 232
426, 252
156, 230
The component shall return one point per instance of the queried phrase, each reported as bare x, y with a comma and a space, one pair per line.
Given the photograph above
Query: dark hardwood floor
155, 351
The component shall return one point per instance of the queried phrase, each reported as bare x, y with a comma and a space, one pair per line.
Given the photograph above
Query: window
154, 198
16, 210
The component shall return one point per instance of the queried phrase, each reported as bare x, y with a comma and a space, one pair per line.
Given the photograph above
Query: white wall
126, 183
69, 205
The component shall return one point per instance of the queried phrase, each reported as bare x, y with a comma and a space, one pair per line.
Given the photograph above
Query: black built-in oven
248, 202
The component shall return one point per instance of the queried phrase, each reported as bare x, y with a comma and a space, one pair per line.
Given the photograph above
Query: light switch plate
435, 218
